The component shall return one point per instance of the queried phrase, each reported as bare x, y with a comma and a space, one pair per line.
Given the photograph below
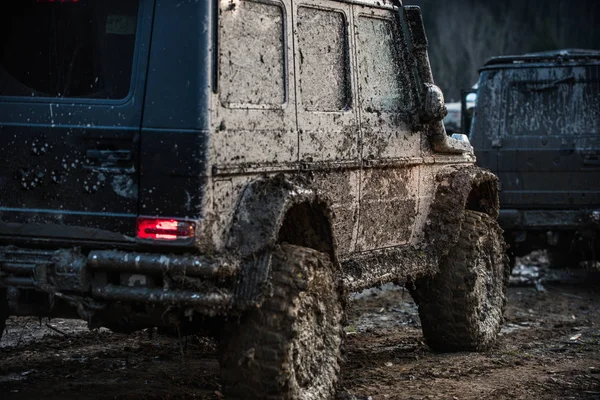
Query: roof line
555, 55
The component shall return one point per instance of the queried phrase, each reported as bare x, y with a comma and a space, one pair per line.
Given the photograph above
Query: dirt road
549, 349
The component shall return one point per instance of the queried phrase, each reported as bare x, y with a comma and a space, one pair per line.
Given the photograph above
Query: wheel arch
308, 224
271, 211
483, 196
459, 189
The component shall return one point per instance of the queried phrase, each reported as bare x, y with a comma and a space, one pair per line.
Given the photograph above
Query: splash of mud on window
324, 66
251, 54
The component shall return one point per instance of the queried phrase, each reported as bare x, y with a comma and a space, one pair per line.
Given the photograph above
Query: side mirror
434, 108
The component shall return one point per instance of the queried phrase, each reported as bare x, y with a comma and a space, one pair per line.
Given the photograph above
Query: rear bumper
512, 219
105, 276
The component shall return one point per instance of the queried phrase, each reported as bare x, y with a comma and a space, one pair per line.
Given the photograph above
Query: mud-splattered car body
537, 125
245, 125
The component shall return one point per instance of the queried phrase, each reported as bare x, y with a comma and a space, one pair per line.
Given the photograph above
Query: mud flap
254, 285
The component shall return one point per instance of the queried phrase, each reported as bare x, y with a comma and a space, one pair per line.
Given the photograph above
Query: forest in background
463, 34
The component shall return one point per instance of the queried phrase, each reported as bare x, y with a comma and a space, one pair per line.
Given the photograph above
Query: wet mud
548, 349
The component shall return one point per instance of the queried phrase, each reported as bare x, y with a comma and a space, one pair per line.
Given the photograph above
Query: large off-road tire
461, 307
290, 348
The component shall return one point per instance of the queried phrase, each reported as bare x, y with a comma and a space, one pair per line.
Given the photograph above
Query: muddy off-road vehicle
537, 126
237, 167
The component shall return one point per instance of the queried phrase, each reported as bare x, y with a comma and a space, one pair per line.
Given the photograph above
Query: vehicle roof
546, 57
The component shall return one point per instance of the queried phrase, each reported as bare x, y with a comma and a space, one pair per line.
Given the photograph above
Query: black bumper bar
106, 275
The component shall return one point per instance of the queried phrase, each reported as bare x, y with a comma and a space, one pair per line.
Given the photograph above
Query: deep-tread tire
290, 348
461, 307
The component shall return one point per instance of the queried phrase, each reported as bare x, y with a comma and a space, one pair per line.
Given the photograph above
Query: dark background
463, 34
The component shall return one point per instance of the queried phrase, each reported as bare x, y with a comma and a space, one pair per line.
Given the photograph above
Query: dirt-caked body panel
373, 166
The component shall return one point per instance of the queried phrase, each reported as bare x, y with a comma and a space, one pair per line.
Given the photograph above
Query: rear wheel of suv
290, 348
461, 307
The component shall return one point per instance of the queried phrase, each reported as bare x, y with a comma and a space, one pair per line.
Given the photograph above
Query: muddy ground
549, 349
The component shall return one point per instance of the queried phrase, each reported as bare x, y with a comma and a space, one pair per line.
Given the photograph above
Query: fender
255, 229
459, 189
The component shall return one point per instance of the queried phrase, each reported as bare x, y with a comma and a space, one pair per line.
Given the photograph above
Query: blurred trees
463, 34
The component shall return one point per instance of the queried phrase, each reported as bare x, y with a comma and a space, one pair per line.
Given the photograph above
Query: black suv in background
537, 126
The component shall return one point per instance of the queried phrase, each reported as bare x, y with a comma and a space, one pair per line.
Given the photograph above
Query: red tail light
164, 229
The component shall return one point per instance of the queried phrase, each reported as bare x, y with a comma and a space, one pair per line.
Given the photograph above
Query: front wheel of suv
461, 307
290, 348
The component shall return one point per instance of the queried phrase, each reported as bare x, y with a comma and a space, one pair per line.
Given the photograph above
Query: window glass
380, 65
71, 49
563, 106
324, 67
252, 58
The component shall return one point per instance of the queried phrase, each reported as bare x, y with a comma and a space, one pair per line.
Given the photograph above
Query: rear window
80, 48
560, 103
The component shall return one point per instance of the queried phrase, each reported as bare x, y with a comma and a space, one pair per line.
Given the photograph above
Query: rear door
549, 153
71, 89
326, 108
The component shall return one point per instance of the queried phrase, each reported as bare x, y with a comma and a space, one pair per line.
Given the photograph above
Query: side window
71, 49
380, 65
324, 61
251, 54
